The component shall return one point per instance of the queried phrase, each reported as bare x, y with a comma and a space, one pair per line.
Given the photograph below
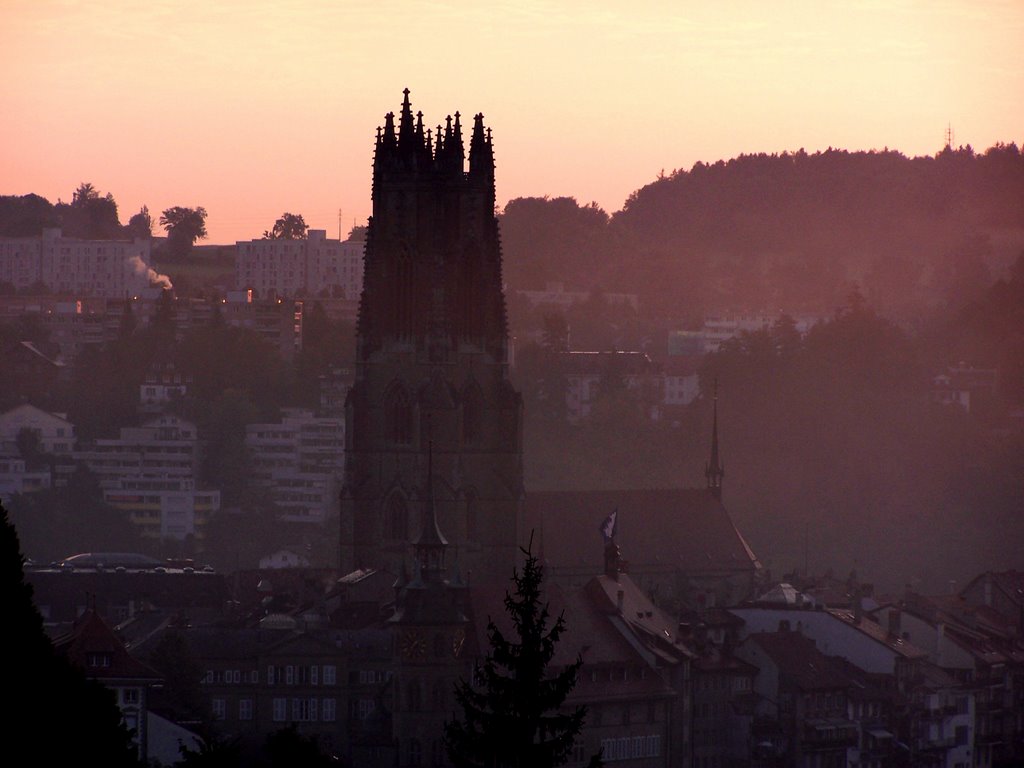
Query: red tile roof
92, 645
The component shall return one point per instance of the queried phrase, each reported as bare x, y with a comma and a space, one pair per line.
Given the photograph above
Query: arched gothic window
472, 512
396, 518
472, 414
397, 416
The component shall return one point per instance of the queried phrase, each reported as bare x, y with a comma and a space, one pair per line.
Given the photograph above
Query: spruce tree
513, 714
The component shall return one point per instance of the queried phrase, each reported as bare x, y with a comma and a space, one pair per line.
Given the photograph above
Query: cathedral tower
432, 348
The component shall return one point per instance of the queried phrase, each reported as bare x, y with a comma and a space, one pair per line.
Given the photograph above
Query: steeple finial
714, 471
405, 126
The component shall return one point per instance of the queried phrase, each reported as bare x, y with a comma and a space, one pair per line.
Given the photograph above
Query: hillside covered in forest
790, 232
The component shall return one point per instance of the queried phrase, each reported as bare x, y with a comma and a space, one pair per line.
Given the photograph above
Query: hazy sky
253, 108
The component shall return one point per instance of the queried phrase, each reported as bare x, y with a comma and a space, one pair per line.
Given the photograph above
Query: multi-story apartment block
151, 472
300, 461
313, 266
109, 268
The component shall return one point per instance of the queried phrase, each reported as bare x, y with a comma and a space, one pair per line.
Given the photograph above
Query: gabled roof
658, 632
799, 661
92, 645
679, 529
879, 634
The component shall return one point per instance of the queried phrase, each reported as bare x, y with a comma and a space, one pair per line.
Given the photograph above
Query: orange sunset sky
253, 108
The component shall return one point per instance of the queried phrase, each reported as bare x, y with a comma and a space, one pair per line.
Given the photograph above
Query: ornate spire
389, 130
481, 159
405, 126
714, 471
430, 544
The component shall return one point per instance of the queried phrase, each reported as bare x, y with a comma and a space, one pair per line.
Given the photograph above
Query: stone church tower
432, 360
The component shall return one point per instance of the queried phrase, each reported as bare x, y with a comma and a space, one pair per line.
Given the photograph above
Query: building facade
108, 268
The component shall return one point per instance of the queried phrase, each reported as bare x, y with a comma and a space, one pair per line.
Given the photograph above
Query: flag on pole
610, 526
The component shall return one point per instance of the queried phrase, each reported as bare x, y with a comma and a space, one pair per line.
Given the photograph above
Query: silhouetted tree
184, 226
514, 717
141, 224
61, 718
290, 226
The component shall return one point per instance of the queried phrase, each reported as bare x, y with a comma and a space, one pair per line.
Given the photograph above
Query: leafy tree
90, 215
141, 224
287, 748
184, 226
290, 226
514, 717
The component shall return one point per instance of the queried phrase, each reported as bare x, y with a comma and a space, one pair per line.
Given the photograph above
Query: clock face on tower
412, 645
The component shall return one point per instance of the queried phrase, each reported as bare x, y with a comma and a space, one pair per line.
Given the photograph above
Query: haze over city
667, 411
252, 108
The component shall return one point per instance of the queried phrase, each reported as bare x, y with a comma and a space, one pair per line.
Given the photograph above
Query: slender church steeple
430, 544
714, 471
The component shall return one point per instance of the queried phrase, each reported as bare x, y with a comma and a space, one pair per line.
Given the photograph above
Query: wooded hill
793, 232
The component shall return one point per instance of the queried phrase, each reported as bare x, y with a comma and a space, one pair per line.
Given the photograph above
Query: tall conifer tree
513, 717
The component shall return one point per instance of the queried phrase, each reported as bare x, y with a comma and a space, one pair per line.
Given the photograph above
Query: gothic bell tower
432, 348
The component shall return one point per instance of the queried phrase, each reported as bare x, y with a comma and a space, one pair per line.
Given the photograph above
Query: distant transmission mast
949, 136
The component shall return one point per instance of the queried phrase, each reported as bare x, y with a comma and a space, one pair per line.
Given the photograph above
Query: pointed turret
714, 471
406, 132
389, 141
481, 158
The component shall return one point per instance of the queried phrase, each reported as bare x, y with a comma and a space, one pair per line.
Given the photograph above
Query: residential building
151, 472
300, 461
69, 266
92, 646
302, 268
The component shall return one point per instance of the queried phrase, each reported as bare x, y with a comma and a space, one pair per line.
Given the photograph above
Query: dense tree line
793, 231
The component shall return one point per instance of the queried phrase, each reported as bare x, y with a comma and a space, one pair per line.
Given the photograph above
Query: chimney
894, 621
619, 600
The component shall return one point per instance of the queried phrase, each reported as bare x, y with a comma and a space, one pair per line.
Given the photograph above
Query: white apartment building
314, 266
300, 461
106, 268
56, 434
151, 473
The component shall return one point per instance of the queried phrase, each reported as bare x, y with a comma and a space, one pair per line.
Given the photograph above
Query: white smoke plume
154, 277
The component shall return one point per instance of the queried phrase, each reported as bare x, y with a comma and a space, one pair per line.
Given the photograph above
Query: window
304, 710
270, 675
365, 707
313, 675
330, 674
280, 710
289, 675
245, 709
329, 710
217, 706
130, 696
415, 753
